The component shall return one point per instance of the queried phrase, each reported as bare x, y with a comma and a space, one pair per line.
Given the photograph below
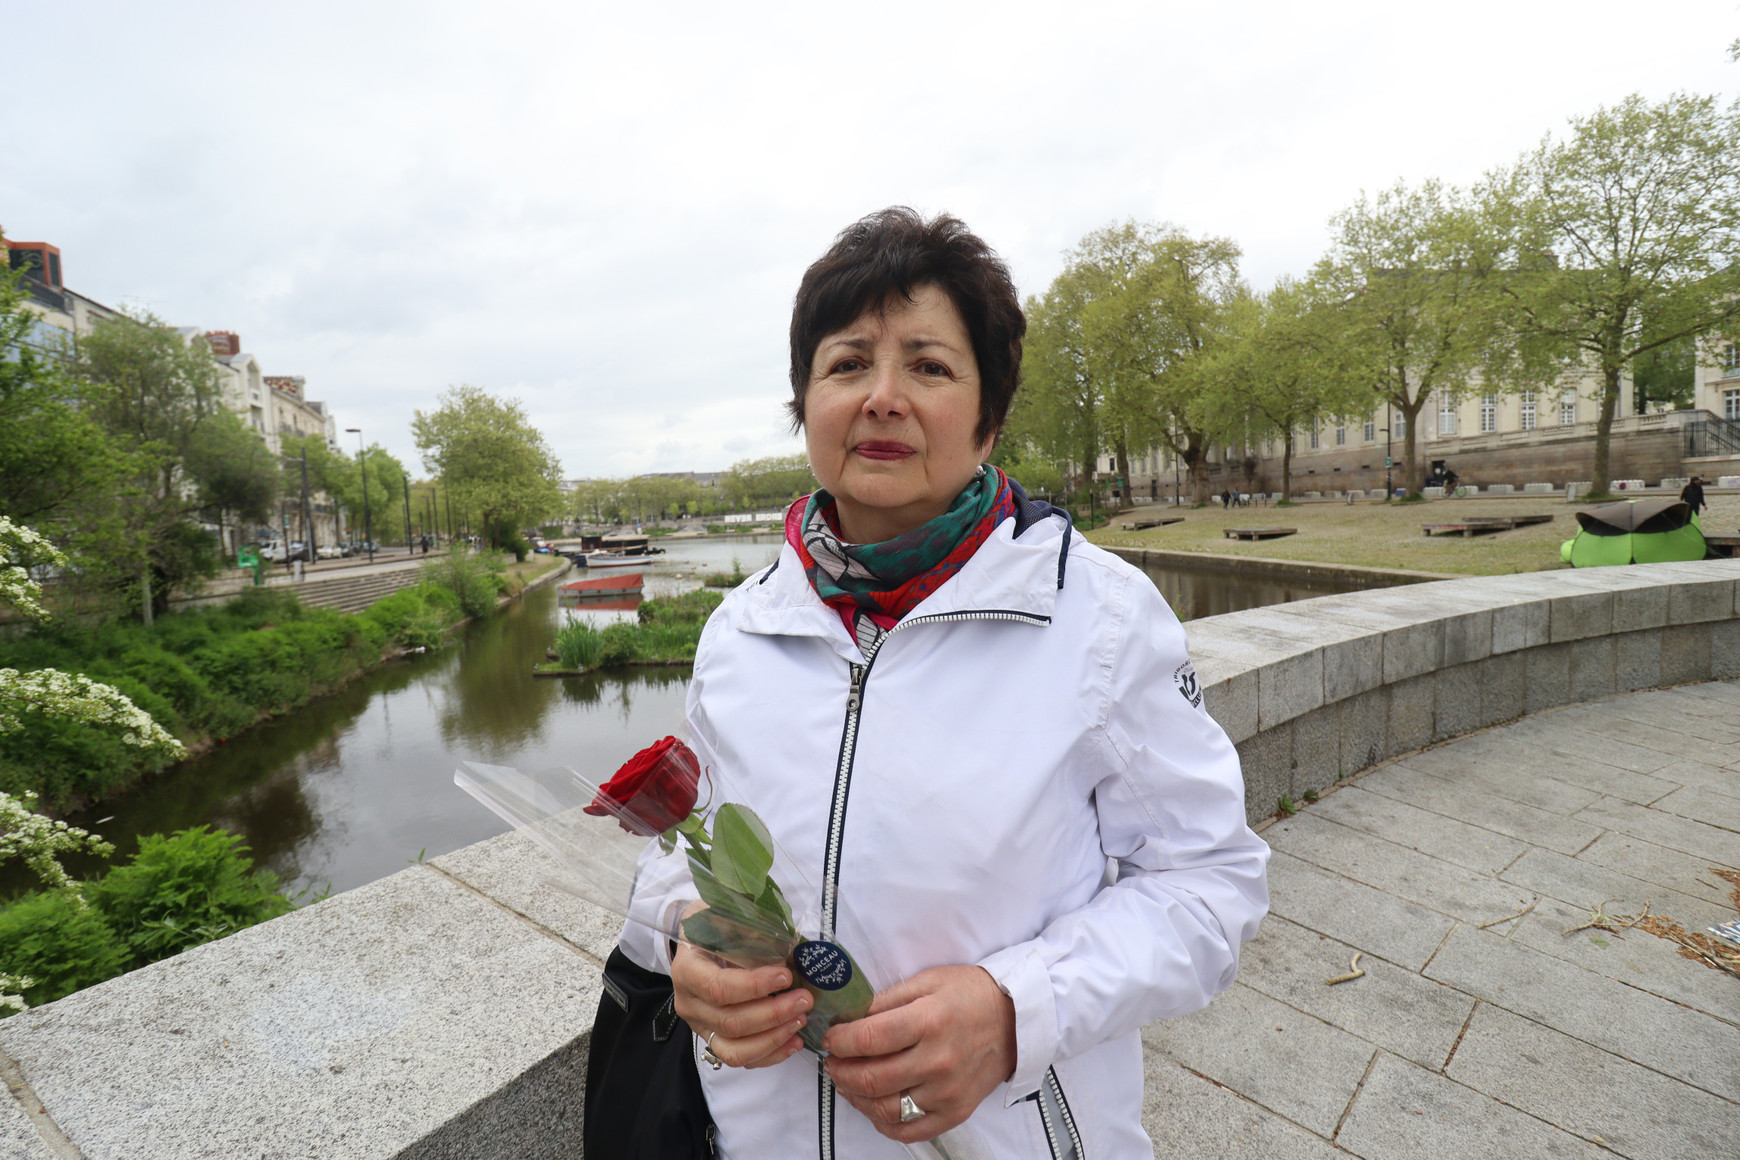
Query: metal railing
1712, 436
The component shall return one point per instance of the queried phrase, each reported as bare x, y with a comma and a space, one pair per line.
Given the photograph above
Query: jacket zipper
1054, 1113
860, 674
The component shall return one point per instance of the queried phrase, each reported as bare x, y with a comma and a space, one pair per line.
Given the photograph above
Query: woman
979, 731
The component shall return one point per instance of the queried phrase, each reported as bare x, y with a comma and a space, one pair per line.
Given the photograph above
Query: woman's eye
932, 368
848, 366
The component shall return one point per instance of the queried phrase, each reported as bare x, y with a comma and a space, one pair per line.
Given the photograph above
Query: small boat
610, 560
625, 585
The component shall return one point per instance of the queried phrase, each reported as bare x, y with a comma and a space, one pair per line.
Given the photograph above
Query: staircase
354, 593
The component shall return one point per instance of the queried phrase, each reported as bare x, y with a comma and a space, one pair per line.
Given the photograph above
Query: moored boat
628, 584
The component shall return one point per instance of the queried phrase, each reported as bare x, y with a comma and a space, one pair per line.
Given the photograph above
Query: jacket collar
1018, 568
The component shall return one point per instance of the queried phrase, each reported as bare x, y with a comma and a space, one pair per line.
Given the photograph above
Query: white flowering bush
12, 989
40, 841
19, 548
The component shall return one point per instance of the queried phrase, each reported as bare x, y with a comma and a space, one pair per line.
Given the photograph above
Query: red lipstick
883, 449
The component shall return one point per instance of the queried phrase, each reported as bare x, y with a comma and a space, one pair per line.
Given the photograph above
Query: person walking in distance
1693, 494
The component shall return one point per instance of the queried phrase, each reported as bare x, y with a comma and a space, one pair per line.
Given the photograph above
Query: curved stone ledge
444, 1012
1319, 689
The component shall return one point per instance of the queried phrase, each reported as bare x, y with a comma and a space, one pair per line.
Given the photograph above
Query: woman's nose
887, 390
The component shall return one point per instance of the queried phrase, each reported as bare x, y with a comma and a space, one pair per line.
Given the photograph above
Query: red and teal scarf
888, 580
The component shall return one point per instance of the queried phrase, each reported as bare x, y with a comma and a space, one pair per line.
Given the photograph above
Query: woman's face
889, 417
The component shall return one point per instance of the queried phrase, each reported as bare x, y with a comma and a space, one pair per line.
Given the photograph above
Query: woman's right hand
748, 1018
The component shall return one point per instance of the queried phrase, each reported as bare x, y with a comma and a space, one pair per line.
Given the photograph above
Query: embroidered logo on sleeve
1185, 675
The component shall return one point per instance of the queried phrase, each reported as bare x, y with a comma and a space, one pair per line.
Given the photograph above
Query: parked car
329, 551
275, 552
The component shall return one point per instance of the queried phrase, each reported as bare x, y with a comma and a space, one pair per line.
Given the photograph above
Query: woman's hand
749, 1022
945, 1037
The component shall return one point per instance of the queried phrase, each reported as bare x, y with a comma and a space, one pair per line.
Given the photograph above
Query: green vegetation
492, 462
176, 892
729, 579
666, 632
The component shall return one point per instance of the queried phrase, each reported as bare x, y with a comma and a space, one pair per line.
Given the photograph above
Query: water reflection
352, 787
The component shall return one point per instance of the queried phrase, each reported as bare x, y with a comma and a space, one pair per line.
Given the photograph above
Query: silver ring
707, 1051
909, 1109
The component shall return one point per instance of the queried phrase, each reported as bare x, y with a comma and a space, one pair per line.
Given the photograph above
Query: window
1528, 411
1446, 415
1316, 436
1370, 430
1731, 405
1401, 427
1341, 435
1567, 409
1488, 414
1731, 358
1268, 448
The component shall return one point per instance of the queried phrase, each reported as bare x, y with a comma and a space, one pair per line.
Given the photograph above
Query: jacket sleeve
1162, 938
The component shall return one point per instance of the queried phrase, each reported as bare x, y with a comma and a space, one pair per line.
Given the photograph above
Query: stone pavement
1517, 1040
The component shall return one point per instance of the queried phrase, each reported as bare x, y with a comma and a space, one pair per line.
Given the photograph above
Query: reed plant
579, 645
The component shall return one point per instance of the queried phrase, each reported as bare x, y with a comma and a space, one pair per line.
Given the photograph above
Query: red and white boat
610, 560
617, 586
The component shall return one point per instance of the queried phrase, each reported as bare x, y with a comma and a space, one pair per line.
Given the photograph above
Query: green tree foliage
1636, 211
1414, 272
487, 453
236, 472
1666, 374
1282, 368
1116, 345
771, 482
340, 478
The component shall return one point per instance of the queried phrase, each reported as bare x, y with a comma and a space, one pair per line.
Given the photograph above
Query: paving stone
1592, 1093
1569, 759
1606, 719
353, 1027
1189, 1117
1720, 778
1507, 768
1393, 1008
1404, 1112
1291, 1063
1469, 802
1289, 687
1267, 762
1665, 714
1638, 662
1637, 609
1704, 805
1570, 742
19, 1139
1419, 829
1584, 883
1580, 616
1364, 730
1411, 713
1635, 958
513, 871
1676, 1040
1502, 688
1407, 874
1722, 847
1354, 913
1647, 862
1457, 702
1685, 654
1316, 749
1548, 678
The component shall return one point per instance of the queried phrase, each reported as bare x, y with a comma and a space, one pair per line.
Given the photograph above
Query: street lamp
363, 467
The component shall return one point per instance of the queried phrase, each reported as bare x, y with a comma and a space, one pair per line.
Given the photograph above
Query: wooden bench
1158, 522
1257, 533
1480, 525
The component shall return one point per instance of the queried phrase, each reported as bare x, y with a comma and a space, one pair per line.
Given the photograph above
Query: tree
1636, 213
1116, 345
236, 472
1413, 270
490, 457
1666, 374
767, 482
1281, 368
155, 393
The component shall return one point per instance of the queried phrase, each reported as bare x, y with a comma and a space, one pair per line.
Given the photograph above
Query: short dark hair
893, 252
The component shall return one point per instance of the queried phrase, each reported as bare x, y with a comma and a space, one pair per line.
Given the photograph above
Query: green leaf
742, 850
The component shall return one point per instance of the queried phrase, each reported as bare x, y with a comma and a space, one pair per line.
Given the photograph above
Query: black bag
643, 1096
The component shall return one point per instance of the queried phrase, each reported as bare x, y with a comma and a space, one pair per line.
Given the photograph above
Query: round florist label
822, 965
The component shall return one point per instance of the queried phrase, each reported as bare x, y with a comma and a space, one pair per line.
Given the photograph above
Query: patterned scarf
886, 581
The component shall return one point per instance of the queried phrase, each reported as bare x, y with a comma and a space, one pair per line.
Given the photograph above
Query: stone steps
355, 593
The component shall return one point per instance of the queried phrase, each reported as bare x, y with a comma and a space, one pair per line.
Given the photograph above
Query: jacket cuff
1022, 975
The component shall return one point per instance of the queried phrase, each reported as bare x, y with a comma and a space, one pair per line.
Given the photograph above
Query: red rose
653, 791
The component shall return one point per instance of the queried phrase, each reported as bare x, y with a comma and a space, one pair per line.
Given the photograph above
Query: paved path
1514, 1041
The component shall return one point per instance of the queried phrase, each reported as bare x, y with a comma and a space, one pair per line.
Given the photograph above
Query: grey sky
604, 212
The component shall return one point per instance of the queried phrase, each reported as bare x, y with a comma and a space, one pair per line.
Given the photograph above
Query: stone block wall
444, 1012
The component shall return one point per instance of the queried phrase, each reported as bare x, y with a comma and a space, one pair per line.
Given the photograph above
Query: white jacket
1022, 777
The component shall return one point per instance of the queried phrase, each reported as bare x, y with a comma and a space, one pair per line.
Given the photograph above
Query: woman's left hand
945, 1037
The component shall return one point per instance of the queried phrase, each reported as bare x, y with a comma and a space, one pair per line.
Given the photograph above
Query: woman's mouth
883, 449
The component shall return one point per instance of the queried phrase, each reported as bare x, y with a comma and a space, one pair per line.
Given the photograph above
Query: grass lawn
1376, 535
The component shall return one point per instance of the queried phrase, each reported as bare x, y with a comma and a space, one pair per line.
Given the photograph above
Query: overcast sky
603, 210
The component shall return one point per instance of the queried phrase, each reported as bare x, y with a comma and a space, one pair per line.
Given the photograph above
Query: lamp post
363, 467
1389, 450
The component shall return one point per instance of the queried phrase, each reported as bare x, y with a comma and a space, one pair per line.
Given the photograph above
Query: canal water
356, 785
